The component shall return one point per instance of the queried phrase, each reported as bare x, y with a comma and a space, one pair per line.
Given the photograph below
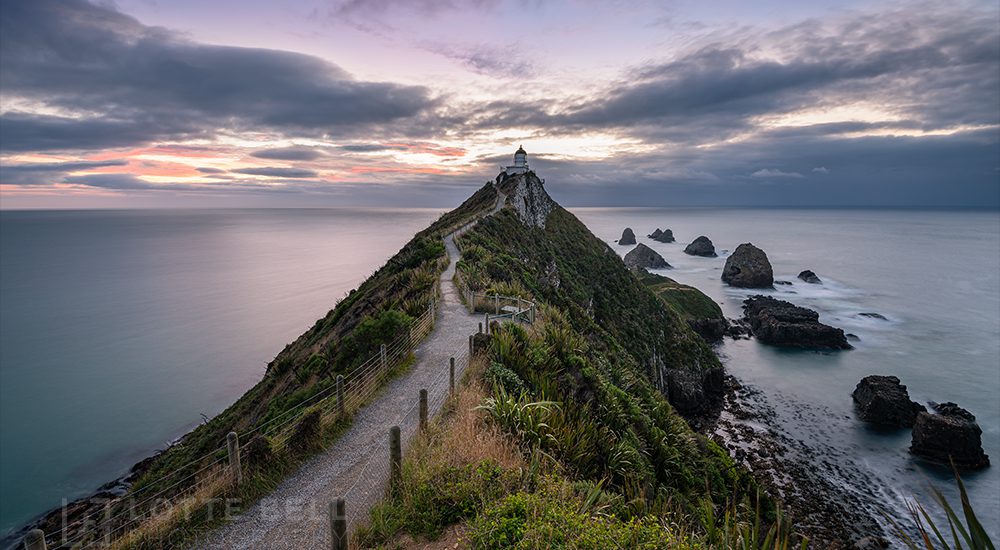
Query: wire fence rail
117, 518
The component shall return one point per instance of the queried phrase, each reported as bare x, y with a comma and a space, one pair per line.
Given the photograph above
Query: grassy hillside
687, 301
584, 452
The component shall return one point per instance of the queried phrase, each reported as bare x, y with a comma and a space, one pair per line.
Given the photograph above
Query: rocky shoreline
793, 473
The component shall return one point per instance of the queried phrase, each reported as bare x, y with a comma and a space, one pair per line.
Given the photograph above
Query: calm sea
120, 329
934, 275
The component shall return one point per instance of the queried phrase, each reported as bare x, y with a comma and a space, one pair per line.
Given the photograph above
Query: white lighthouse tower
520, 162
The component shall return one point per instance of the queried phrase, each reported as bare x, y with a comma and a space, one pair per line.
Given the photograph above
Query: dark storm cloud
955, 170
278, 172
45, 172
111, 181
288, 153
935, 67
145, 83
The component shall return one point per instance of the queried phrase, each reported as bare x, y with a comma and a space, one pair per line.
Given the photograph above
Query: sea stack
702, 246
781, 323
665, 236
810, 277
643, 257
748, 267
884, 401
628, 237
655, 233
951, 435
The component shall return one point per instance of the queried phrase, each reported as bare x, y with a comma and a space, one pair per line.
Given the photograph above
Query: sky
322, 103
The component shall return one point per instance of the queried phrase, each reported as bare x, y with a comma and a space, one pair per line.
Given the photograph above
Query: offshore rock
655, 233
628, 237
643, 257
748, 267
781, 323
950, 435
666, 236
883, 400
702, 246
810, 277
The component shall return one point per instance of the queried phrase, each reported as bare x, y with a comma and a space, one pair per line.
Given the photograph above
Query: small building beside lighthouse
520, 162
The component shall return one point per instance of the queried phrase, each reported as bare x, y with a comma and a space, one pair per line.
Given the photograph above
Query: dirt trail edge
295, 515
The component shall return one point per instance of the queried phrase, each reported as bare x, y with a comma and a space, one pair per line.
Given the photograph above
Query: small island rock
643, 257
748, 267
781, 323
950, 435
628, 237
655, 234
666, 236
883, 400
702, 246
810, 277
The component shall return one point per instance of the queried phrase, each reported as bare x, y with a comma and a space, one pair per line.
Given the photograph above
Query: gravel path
295, 515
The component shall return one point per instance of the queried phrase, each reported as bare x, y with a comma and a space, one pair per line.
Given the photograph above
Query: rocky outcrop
692, 392
666, 236
872, 315
748, 267
810, 277
526, 194
628, 237
950, 435
782, 323
712, 330
643, 257
655, 234
702, 246
884, 401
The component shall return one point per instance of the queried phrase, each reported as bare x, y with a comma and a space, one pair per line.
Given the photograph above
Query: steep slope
579, 396
537, 247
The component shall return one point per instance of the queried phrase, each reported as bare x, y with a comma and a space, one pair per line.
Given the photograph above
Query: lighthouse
520, 162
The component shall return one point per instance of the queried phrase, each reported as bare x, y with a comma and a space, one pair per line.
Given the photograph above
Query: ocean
122, 330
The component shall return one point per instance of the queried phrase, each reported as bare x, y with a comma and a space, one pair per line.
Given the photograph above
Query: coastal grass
481, 470
687, 301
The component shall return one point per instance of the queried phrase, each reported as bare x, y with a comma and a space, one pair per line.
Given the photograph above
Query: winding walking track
295, 515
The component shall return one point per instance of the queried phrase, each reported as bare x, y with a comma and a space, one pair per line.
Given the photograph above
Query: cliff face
527, 196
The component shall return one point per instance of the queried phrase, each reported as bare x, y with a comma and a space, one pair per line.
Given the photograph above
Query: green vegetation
687, 301
568, 268
494, 475
603, 460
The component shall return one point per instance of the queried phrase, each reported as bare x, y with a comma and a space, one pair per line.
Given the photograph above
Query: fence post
471, 346
340, 395
451, 375
34, 540
487, 323
480, 327
383, 358
423, 410
395, 458
338, 525
532, 313
233, 444
496, 302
